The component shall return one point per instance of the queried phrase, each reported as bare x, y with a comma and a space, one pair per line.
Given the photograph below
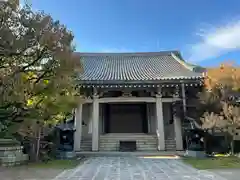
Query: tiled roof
105, 67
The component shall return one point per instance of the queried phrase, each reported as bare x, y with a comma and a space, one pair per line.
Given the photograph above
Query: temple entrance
125, 118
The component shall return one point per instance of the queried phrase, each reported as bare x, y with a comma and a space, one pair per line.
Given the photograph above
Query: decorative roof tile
152, 66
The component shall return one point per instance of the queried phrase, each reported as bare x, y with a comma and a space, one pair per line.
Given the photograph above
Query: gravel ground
25, 173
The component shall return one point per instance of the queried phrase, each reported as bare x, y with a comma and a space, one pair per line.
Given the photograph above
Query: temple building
134, 101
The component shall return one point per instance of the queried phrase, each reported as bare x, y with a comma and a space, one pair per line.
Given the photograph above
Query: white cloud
216, 41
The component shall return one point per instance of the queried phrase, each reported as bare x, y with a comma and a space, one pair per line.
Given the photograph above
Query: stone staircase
170, 144
144, 142
86, 144
110, 142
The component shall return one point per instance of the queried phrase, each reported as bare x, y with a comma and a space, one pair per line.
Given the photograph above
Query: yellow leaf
29, 102
46, 81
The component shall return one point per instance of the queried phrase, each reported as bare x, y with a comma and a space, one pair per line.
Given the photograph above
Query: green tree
38, 69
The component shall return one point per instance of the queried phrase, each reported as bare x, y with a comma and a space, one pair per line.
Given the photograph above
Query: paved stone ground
229, 174
134, 168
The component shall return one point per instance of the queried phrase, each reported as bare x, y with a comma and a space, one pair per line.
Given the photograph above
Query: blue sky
205, 31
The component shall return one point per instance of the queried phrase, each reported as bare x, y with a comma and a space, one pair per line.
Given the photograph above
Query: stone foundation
11, 153
196, 154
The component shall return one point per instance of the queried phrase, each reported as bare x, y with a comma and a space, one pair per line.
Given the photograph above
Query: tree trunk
205, 143
232, 146
33, 149
38, 144
227, 141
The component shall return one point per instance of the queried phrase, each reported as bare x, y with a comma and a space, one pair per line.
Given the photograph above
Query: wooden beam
170, 99
133, 99
127, 99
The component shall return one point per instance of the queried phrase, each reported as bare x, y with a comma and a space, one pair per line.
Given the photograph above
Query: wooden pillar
184, 99
178, 121
160, 123
148, 117
178, 132
78, 128
95, 124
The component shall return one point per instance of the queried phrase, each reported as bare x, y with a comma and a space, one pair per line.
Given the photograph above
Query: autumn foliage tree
37, 71
227, 75
219, 100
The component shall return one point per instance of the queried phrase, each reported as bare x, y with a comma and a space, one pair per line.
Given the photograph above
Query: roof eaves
191, 67
94, 54
182, 62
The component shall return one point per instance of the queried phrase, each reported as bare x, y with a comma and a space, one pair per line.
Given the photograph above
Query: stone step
147, 146
169, 139
84, 142
113, 144
170, 147
138, 142
86, 145
117, 148
86, 148
128, 137
170, 143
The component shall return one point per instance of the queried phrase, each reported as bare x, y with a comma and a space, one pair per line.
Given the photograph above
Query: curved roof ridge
189, 66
